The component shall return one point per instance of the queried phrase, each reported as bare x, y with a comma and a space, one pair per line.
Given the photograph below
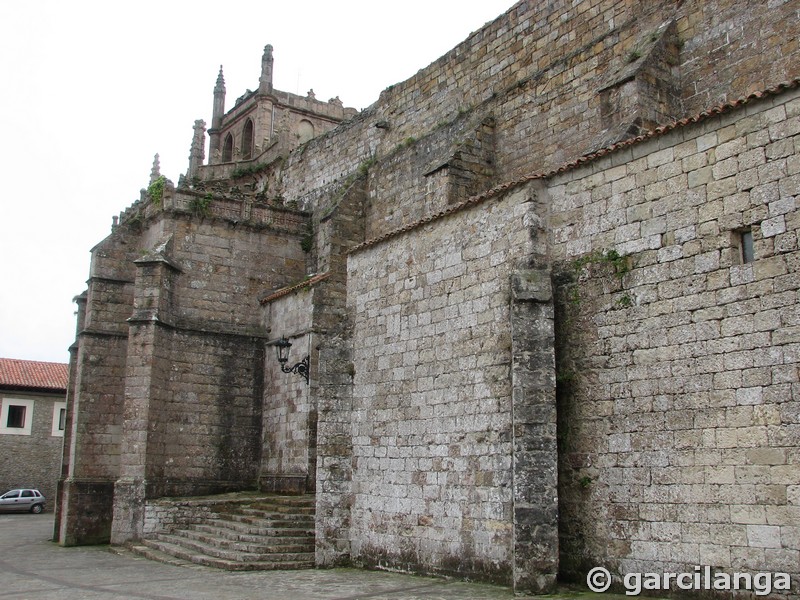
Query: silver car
22, 501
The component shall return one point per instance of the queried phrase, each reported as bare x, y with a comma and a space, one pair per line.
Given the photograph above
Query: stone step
299, 501
276, 532
285, 506
183, 554
255, 545
212, 550
249, 533
284, 521
278, 511
256, 527
271, 515
143, 550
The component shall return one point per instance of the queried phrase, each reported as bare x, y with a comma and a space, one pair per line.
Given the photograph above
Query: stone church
536, 307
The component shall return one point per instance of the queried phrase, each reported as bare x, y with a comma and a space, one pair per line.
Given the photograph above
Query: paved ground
33, 567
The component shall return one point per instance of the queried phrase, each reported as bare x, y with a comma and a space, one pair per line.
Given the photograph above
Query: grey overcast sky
91, 90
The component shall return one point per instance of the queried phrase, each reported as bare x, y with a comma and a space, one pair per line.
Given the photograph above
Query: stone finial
219, 101
335, 101
265, 81
155, 172
197, 152
220, 86
311, 95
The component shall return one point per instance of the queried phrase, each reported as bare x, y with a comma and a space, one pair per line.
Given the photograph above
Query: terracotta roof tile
32, 374
288, 290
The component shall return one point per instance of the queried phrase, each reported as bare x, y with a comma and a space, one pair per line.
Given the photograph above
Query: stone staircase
263, 534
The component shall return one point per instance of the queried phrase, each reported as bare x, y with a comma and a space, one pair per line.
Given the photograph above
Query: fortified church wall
537, 342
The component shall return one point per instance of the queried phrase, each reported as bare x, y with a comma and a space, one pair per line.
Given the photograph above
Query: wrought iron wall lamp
282, 348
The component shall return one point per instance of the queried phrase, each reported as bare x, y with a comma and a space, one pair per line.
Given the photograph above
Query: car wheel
36, 509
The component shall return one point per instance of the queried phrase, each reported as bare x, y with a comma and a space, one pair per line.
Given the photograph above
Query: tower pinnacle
265, 81
220, 87
155, 172
219, 100
197, 153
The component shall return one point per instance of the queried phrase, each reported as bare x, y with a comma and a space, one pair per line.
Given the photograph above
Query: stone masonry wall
32, 461
432, 414
92, 441
206, 437
333, 370
91, 458
289, 424
195, 367
168, 513
209, 420
677, 360
732, 48
539, 69
224, 269
490, 72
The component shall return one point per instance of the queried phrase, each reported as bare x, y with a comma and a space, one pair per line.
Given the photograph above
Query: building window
59, 418
742, 246
227, 149
16, 416
247, 140
746, 241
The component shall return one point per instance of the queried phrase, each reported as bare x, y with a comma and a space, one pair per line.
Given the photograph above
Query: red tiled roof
292, 288
32, 374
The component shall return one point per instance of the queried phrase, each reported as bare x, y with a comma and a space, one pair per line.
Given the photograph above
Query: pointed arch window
247, 140
227, 149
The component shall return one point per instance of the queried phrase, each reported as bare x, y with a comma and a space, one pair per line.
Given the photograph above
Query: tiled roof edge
587, 158
33, 374
293, 288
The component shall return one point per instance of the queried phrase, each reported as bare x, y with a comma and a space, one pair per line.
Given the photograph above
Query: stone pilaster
535, 455
335, 372
145, 376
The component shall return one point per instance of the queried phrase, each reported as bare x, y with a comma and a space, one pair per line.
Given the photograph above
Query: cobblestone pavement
31, 566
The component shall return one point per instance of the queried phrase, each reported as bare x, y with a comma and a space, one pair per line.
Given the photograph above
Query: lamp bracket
300, 368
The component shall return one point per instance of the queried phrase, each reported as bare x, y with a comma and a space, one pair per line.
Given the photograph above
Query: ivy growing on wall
156, 190
248, 170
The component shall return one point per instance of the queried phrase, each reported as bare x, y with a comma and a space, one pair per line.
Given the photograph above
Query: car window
11, 494
37, 494
27, 493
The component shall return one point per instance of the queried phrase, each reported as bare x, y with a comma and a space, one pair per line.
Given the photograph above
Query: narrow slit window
746, 245
59, 419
